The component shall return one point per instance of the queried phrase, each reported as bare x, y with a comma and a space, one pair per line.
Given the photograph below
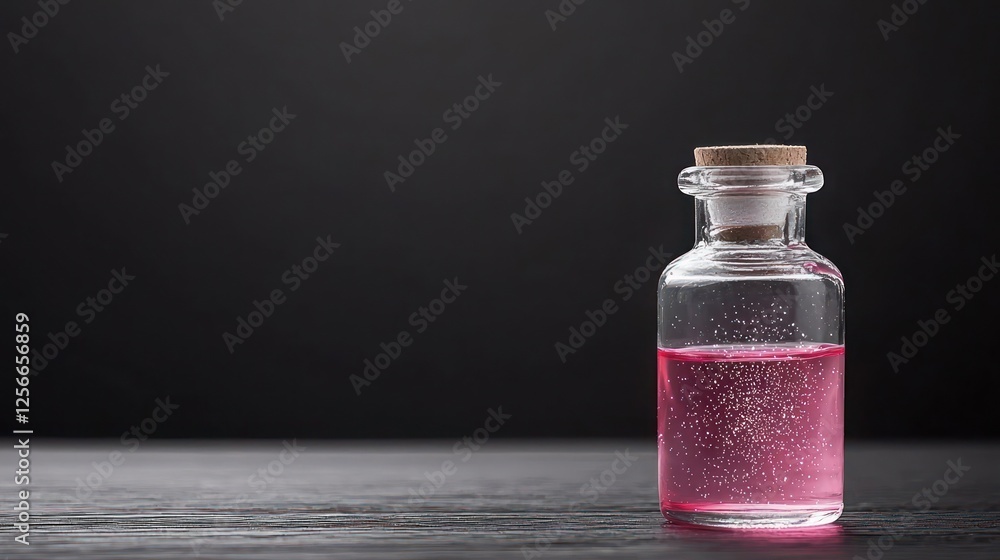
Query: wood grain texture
507, 500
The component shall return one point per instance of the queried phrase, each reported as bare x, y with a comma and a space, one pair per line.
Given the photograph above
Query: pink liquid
751, 430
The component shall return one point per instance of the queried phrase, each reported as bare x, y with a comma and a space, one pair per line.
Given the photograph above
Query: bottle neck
771, 219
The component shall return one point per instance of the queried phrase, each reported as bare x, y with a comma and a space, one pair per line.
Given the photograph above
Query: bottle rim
704, 181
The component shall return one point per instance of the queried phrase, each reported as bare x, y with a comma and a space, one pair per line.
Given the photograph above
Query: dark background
323, 175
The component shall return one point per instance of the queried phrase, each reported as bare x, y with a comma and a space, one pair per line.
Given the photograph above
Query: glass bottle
751, 351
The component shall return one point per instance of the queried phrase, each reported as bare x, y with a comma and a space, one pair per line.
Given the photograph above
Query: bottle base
753, 516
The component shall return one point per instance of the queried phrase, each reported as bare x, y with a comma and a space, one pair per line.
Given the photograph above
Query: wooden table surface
505, 500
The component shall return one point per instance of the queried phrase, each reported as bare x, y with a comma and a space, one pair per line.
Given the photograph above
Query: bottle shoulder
708, 263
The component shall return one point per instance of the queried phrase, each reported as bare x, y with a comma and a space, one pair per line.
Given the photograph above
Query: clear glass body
751, 358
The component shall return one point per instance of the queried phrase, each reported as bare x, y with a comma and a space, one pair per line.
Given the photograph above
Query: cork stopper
765, 154
750, 219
